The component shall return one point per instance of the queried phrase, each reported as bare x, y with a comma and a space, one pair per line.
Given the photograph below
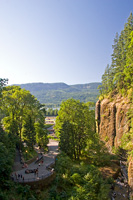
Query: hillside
52, 94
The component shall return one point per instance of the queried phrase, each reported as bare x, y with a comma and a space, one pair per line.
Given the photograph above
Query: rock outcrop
112, 120
112, 123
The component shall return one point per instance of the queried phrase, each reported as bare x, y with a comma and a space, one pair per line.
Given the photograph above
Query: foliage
23, 118
3, 82
6, 161
78, 181
128, 69
51, 112
74, 124
29, 133
22, 115
119, 75
127, 138
95, 152
7, 148
41, 134
11, 108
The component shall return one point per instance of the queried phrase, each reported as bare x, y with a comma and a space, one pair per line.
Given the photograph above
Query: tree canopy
74, 123
119, 75
22, 113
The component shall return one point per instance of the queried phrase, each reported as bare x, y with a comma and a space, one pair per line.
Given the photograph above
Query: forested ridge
52, 94
82, 155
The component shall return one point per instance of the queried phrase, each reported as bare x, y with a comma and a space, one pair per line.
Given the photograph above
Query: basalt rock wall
112, 120
112, 123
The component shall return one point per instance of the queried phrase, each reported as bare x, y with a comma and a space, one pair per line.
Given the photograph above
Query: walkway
43, 172
17, 163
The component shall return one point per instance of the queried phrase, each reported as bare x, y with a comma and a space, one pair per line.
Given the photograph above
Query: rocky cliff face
112, 123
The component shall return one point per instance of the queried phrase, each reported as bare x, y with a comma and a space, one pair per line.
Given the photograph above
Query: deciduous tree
73, 126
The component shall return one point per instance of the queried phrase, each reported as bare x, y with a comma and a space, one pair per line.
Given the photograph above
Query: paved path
17, 162
48, 158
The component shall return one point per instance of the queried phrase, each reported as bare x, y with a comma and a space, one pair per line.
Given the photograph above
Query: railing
20, 180
52, 163
41, 158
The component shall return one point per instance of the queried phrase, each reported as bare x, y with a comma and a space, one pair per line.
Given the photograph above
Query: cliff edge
112, 122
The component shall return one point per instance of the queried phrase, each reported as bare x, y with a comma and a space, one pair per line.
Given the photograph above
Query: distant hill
52, 94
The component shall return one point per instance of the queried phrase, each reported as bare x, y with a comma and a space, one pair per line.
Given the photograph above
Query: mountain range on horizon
52, 94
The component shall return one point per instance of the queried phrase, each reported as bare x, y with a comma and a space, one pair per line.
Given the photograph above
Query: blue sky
58, 40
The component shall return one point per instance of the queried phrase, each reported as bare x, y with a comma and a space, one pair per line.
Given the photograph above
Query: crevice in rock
114, 123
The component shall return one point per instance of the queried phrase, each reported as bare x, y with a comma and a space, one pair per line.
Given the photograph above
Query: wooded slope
54, 93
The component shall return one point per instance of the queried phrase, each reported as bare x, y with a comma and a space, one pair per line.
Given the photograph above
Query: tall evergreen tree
128, 68
119, 74
3, 82
123, 44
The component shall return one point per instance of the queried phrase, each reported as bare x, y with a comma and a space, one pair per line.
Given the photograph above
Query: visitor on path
16, 176
42, 162
37, 173
12, 177
24, 165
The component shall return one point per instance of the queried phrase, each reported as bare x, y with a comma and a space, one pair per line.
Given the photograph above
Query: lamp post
26, 154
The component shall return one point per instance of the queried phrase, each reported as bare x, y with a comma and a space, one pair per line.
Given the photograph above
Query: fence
37, 161
50, 165
20, 180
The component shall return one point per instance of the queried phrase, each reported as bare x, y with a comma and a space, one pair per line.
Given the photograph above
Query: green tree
95, 151
67, 139
29, 131
3, 82
128, 68
21, 110
123, 43
41, 134
5, 168
119, 75
55, 112
73, 126
107, 80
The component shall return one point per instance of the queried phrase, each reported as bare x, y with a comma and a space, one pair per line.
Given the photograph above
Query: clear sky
58, 40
